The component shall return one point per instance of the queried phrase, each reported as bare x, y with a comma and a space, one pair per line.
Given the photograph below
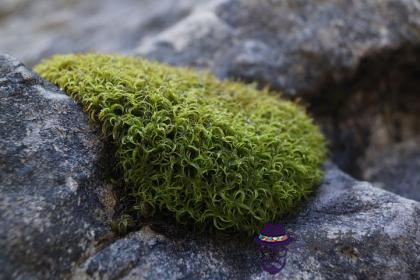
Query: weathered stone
397, 169
349, 230
54, 204
373, 112
32, 30
294, 46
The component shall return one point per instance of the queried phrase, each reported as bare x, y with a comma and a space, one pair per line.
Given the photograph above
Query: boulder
55, 205
293, 46
397, 169
76, 26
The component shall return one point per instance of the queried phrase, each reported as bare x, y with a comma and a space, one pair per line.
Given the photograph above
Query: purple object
272, 231
273, 251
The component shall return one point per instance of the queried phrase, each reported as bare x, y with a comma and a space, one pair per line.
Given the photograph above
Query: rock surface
50, 26
54, 204
350, 230
397, 169
294, 46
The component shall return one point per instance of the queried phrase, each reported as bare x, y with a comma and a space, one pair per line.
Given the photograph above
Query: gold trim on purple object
273, 238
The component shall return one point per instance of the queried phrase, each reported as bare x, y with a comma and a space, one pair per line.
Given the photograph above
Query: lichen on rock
212, 153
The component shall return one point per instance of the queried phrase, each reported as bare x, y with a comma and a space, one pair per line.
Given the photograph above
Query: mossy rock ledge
217, 154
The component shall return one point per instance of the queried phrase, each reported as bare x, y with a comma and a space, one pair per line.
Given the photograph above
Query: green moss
122, 224
211, 153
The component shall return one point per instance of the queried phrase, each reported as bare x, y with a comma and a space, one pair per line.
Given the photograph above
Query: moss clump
209, 152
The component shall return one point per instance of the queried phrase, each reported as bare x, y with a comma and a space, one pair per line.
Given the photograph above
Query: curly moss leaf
210, 152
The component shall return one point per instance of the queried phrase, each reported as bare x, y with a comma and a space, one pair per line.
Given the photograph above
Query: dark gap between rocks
372, 120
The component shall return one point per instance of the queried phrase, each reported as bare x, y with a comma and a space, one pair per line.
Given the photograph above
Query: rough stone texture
374, 111
350, 230
294, 46
63, 26
397, 169
54, 206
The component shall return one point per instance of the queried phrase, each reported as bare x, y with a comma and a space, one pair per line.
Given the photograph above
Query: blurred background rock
31, 30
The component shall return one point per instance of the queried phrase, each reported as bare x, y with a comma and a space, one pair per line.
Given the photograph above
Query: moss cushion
212, 153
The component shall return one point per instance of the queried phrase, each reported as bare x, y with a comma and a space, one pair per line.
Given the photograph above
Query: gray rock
32, 30
294, 46
350, 230
397, 169
54, 205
